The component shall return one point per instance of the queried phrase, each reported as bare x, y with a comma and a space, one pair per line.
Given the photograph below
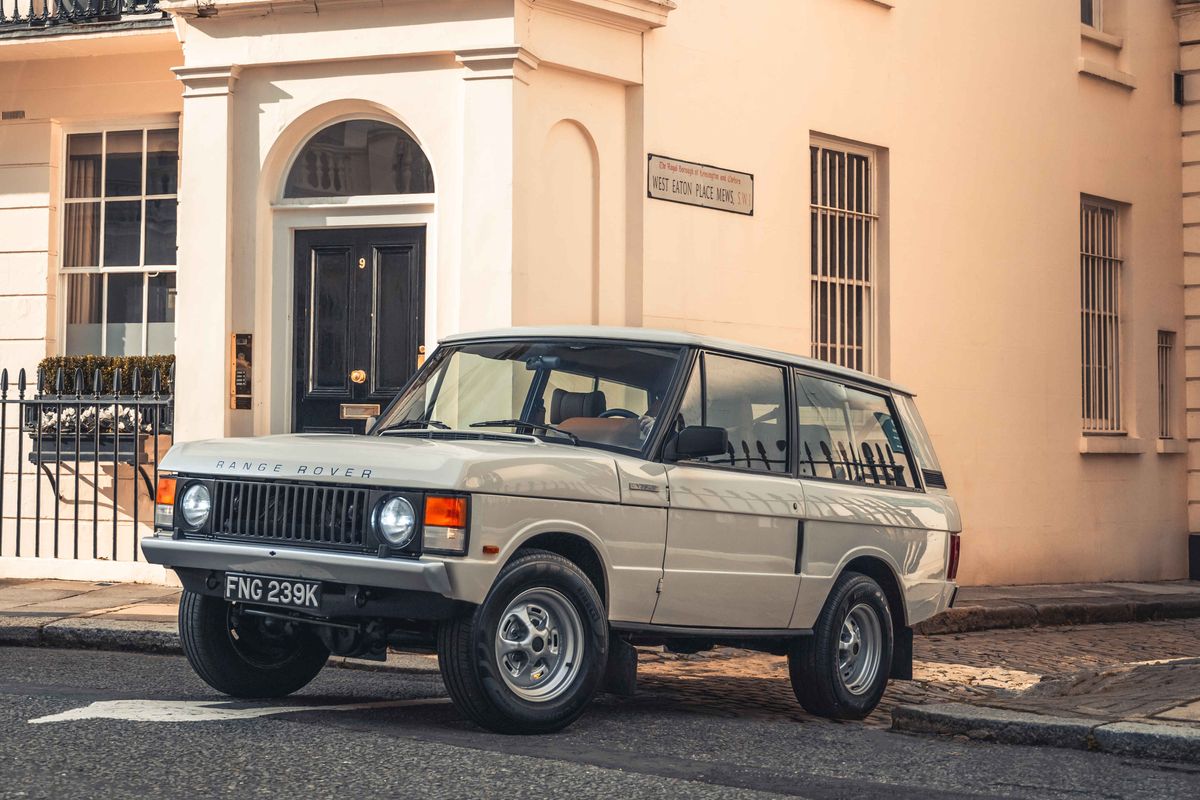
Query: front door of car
358, 309
733, 527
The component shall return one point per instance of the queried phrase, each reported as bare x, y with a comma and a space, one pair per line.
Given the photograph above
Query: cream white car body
681, 546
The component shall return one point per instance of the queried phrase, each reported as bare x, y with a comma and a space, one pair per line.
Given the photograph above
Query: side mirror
697, 441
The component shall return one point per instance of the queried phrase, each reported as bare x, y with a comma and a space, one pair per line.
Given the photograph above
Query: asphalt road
394, 735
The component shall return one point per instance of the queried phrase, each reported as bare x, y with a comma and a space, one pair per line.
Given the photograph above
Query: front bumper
323, 565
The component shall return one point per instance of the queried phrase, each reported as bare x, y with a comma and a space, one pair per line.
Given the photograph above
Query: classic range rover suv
537, 501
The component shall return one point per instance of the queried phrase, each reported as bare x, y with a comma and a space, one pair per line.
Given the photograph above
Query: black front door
359, 311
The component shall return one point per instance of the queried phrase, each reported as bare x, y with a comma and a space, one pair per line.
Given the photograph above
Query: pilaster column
491, 78
1188, 16
203, 317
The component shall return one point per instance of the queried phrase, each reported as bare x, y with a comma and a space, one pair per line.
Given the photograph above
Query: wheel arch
883, 573
575, 548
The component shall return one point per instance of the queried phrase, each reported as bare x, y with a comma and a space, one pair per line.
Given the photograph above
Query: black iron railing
46, 13
79, 465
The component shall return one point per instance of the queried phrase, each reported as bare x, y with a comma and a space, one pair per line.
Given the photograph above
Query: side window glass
748, 400
849, 435
882, 457
823, 433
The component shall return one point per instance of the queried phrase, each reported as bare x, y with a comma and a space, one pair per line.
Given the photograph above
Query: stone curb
964, 619
1158, 741
90, 633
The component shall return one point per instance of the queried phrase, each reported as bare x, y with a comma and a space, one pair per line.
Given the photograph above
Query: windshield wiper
518, 424
416, 423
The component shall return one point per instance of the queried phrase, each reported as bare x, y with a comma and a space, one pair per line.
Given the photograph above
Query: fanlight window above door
359, 157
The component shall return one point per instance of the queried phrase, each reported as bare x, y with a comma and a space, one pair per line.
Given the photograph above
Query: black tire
467, 652
813, 661
245, 656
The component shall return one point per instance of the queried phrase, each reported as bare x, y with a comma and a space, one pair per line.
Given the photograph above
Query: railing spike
21, 382
41, 380
58, 381
4, 383
137, 381
155, 377
117, 383
97, 382
78, 382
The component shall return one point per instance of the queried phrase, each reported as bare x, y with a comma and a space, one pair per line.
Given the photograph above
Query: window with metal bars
1100, 316
1166, 351
844, 218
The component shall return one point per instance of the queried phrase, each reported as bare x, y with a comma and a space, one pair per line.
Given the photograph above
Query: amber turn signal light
446, 512
165, 496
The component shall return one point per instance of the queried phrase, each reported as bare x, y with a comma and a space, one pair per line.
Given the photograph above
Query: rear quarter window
918, 437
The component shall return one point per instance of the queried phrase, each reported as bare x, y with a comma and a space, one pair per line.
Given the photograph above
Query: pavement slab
15, 594
1188, 712
990, 607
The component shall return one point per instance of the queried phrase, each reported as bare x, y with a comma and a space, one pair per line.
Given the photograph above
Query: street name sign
699, 185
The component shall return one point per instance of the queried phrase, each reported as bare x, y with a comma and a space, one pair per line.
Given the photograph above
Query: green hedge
108, 366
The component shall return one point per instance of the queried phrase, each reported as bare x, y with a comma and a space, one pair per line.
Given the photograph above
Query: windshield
606, 394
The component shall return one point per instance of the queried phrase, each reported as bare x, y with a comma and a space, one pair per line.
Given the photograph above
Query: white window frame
145, 125
1097, 15
839, 338
1101, 311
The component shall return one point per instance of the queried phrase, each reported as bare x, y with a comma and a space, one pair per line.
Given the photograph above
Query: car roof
658, 336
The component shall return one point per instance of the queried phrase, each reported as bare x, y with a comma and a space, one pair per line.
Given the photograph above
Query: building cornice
631, 15
207, 81
491, 63
224, 9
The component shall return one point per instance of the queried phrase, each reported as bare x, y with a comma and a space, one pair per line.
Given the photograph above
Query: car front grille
298, 514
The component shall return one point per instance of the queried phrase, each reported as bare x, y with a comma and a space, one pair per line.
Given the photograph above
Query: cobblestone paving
985, 666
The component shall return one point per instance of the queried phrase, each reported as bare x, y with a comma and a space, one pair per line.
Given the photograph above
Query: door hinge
658, 589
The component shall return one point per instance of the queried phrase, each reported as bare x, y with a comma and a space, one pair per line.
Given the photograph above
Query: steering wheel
619, 412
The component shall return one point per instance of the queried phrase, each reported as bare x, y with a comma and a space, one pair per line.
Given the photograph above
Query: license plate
289, 592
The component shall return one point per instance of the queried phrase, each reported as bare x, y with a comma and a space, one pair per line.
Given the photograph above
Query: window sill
1111, 445
1171, 446
1094, 69
1100, 37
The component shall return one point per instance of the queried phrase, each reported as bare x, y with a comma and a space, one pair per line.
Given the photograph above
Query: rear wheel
842, 670
246, 655
531, 656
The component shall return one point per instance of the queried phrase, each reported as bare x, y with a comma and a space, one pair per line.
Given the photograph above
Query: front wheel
245, 655
841, 670
530, 658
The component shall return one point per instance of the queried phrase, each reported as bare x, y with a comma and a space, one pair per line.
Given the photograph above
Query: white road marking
206, 710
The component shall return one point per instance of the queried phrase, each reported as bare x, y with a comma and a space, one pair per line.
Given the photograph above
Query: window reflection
359, 157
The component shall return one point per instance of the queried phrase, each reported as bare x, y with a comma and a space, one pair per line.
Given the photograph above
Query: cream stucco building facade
993, 204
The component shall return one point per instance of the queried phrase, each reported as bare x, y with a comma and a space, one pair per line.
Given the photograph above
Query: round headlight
397, 522
195, 504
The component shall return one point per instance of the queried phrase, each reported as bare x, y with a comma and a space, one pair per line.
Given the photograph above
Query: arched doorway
358, 292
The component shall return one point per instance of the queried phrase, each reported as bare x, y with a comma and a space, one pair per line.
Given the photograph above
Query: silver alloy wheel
860, 648
539, 644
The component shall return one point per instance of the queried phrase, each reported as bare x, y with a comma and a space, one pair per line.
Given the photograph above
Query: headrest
565, 405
